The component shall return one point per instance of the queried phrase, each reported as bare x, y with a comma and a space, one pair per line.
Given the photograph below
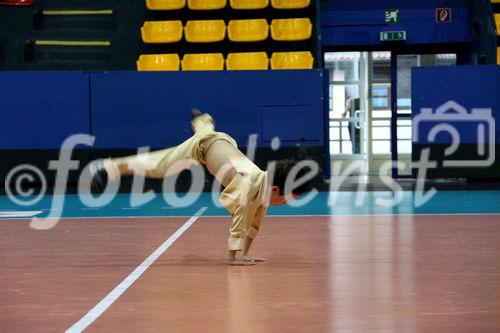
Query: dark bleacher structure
111, 35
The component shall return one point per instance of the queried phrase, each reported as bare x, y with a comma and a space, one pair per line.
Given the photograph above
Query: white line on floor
19, 214
106, 302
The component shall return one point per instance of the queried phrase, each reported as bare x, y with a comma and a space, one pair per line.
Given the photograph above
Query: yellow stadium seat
161, 31
206, 4
292, 60
290, 4
497, 21
158, 62
249, 4
291, 29
247, 61
248, 30
203, 62
207, 31
498, 55
165, 4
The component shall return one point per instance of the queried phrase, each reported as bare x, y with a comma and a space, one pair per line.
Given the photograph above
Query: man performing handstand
247, 189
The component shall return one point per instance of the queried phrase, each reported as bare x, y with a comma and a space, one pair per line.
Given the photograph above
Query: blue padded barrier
41, 109
471, 87
131, 109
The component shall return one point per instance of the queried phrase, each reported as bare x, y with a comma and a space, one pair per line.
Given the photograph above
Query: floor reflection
371, 275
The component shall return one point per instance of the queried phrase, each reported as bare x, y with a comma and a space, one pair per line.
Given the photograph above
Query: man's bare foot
195, 112
253, 259
239, 262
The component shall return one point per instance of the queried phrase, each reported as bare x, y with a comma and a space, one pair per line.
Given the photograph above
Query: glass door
380, 105
360, 109
363, 112
348, 105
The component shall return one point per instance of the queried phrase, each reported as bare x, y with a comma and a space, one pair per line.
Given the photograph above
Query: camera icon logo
451, 119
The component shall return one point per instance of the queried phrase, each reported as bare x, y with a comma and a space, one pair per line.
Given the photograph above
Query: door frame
462, 50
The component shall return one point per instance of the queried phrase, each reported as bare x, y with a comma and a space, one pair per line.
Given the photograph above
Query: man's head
281, 193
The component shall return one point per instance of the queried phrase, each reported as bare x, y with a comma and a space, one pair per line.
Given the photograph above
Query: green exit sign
392, 16
392, 36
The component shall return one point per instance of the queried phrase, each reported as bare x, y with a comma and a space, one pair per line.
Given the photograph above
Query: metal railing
341, 124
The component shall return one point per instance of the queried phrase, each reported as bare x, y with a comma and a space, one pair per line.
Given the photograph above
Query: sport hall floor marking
20, 214
106, 302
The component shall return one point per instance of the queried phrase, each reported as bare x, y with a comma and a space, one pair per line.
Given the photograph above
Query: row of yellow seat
219, 4
209, 31
497, 21
234, 61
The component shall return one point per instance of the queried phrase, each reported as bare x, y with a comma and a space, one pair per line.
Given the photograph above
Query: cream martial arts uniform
243, 197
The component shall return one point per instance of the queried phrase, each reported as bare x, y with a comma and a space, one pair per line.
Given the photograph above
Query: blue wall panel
131, 109
359, 23
292, 123
41, 109
469, 86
